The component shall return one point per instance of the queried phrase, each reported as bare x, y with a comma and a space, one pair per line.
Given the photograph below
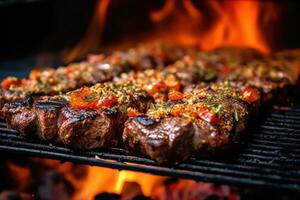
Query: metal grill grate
270, 158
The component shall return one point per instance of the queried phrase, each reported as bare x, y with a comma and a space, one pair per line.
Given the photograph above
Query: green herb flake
200, 72
89, 97
236, 115
218, 110
124, 110
125, 63
210, 76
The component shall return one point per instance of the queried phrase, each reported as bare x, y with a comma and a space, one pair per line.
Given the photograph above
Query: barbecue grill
269, 159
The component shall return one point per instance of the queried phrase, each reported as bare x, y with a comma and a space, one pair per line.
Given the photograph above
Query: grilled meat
273, 77
8, 96
218, 112
96, 69
146, 56
214, 118
82, 119
170, 139
157, 83
192, 69
182, 74
47, 113
236, 56
100, 113
200, 102
87, 129
19, 116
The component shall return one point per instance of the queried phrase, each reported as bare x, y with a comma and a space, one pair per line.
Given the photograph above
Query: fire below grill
269, 158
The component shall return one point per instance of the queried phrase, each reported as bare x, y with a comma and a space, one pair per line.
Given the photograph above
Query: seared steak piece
205, 120
19, 115
8, 96
87, 129
169, 140
193, 68
47, 113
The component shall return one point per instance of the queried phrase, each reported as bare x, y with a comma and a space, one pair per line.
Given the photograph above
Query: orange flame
92, 39
233, 23
237, 26
108, 180
218, 23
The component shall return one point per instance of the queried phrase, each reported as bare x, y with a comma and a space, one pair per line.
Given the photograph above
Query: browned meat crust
168, 140
18, 115
59, 118
47, 114
87, 129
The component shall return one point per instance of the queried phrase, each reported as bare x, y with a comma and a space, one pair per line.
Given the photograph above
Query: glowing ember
100, 180
50, 179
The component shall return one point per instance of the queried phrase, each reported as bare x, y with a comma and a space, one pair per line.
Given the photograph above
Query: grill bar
269, 159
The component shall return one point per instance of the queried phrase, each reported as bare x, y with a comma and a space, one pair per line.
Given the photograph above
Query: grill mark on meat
205, 136
169, 140
47, 114
19, 116
85, 129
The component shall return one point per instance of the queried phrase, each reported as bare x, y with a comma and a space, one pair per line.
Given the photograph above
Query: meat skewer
97, 69
202, 120
208, 118
197, 67
82, 119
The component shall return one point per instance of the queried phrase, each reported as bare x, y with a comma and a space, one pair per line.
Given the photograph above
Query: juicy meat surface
47, 113
9, 96
86, 129
169, 140
18, 115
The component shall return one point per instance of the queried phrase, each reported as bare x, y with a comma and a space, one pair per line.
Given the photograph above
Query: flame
207, 24
19, 175
223, 23
237, 26
146, 181
93, 37
100, 180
